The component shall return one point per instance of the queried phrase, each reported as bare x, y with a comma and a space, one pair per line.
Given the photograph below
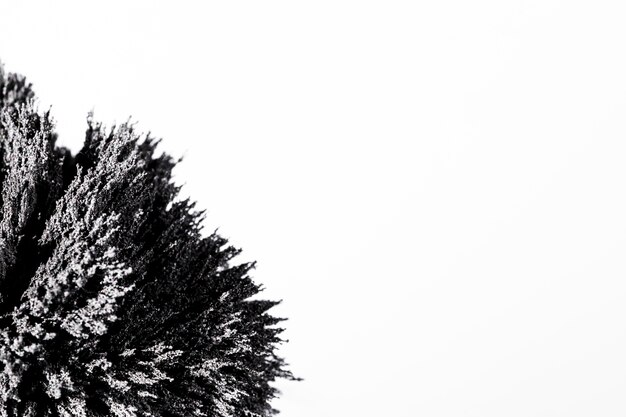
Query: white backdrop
437, 189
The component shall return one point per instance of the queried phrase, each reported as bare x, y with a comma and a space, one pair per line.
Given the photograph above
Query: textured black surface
112, 302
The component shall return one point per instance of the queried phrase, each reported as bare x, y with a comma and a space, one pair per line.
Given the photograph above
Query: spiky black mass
112, 302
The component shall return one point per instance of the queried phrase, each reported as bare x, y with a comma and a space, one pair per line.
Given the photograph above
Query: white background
437, 189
